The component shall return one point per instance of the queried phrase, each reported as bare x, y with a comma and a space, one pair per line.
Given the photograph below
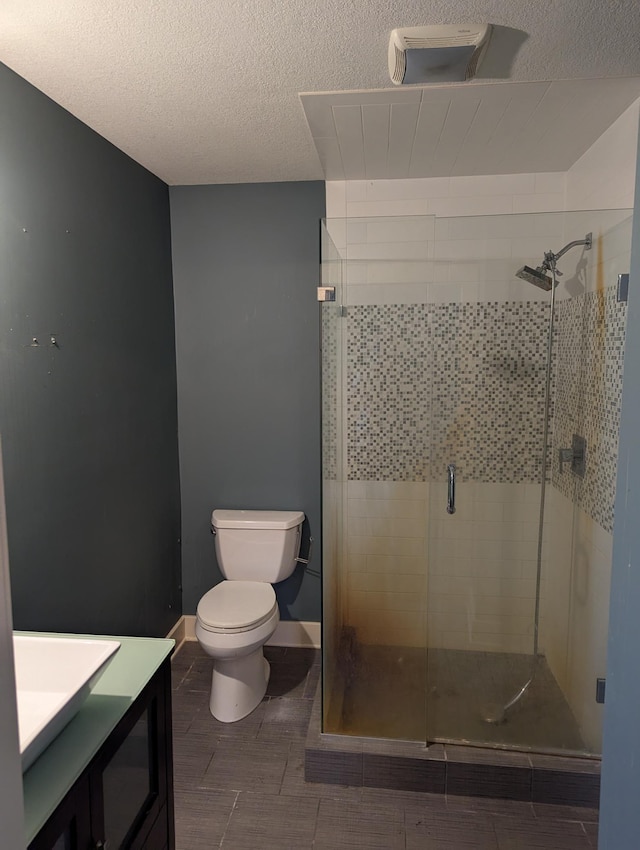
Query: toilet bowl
236, 617
233, 622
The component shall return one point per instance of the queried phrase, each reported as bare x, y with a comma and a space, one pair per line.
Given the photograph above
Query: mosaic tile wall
329, 330
589, 345
432, 384
389, 378
489, 370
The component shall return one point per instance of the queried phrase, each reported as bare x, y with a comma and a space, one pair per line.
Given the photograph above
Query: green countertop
55, 771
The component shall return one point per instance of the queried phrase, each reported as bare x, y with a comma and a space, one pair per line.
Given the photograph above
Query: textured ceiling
203, 91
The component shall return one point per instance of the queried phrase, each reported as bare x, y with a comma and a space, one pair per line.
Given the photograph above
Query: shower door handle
451, 489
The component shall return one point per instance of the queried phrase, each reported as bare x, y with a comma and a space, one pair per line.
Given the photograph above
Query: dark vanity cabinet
124, 798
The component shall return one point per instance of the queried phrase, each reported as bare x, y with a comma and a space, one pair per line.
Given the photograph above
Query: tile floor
241, 786
462, 688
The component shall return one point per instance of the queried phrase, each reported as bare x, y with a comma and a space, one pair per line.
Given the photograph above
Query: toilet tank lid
256, 519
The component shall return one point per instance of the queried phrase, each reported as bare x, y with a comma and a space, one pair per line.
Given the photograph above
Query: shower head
536, 276
539, 276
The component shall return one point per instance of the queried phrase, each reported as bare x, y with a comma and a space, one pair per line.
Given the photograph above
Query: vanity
106, 781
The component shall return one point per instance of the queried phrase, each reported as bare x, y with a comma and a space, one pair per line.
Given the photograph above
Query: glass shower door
490, 563
489, 364
488, 349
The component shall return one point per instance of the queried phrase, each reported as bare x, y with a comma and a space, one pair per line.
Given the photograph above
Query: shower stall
470, 426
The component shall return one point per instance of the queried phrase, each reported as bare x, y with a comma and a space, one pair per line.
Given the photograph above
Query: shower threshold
443, 768
450, 764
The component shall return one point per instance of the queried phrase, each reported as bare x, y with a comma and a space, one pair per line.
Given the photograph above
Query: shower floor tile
241, 786
446, 695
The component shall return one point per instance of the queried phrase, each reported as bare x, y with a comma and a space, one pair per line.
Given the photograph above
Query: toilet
234, 619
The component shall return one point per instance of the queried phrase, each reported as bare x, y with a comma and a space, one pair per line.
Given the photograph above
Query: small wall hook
53, 341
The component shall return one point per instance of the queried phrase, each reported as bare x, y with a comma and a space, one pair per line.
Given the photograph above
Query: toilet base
238, 685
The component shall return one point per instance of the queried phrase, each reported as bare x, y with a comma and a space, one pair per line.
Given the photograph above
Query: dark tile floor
240, 786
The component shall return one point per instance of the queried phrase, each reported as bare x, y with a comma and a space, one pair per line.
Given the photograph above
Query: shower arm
550, 259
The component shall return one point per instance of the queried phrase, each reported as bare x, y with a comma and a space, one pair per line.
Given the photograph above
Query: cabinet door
124, 800
69, 828
128, 785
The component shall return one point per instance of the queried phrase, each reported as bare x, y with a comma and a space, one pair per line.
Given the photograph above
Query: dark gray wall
245, 268
619, 829
89, 428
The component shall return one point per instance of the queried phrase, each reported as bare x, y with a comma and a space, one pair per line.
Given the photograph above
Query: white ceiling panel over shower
445, 131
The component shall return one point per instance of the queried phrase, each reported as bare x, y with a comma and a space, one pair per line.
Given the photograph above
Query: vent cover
400, 66
437, 54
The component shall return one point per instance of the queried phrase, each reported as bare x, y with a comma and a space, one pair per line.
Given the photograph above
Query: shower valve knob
564, 456
575, 456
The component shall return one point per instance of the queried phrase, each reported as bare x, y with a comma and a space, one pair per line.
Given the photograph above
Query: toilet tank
257, 545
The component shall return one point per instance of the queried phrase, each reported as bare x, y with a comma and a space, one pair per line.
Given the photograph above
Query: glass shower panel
333, 478
379, 665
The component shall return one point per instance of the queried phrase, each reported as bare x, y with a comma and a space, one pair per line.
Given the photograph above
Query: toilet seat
236, 606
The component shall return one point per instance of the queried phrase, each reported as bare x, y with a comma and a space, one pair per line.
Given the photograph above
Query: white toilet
255, 549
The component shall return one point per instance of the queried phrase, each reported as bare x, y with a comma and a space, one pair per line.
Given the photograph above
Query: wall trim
296, 633
178, 633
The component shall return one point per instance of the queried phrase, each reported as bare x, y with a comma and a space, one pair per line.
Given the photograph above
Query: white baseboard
298, 633
178, 633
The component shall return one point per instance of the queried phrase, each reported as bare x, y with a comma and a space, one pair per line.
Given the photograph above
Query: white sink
53, 678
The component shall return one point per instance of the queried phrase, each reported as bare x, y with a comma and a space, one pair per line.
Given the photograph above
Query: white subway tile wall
427, 259
481, 588
603, 176
386, 561
575, 612
464, 581
588, 625
447, 196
